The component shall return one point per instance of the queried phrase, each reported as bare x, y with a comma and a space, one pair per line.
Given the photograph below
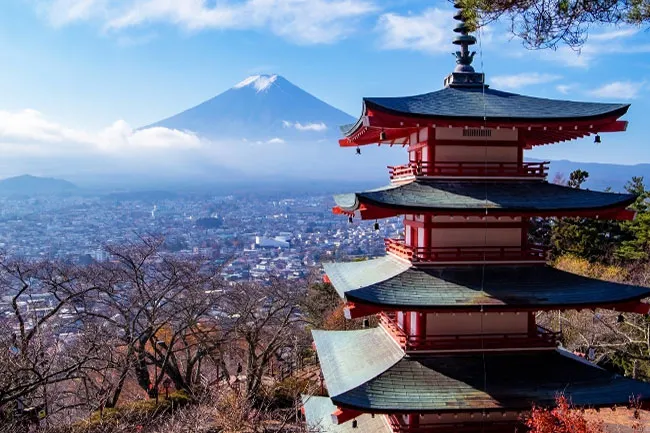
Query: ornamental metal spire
464, 74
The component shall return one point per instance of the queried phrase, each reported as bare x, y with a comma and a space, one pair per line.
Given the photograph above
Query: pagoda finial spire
464, 74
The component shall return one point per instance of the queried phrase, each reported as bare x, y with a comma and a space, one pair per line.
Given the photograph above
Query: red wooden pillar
419, 328
532, 324
426, 244
525, 225
407, 323
430, 162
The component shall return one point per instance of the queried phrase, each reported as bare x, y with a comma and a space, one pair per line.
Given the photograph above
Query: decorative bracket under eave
342, 415
356, 311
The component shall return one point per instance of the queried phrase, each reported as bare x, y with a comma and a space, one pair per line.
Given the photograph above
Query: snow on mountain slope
261, 107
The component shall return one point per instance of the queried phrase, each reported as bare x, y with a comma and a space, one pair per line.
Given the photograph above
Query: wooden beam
354, 310
342, 415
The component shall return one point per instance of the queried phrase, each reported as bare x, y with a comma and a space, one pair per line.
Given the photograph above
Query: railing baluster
467, 168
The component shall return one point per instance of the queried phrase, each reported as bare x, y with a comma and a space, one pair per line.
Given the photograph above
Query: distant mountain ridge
261, 107
601, 175
34, 185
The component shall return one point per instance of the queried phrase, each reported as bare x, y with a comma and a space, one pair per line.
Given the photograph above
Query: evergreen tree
635, 247
591, 239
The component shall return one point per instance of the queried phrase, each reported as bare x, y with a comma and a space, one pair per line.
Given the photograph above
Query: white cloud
301, 21
616, 41
31, 142
518, 81
33, 131
612, 34
428, 32
564, 88
618, 90
320, 126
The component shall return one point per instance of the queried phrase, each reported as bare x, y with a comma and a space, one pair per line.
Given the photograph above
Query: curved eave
387, 283
484, 198
515, 381
619, 111
397, 126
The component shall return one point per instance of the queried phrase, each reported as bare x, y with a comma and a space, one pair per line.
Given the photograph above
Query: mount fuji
261, 107
265, 127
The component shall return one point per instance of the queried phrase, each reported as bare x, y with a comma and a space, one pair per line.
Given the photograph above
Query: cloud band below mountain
319, 126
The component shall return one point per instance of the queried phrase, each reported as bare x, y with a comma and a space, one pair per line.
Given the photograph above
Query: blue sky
76, 70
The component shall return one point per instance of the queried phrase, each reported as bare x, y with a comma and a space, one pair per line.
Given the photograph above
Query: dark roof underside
401, 285
362, 371
526, 196
496, 105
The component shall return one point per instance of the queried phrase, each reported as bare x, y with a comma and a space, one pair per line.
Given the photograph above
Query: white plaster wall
424, 134
470, 323
476, 153
475, 237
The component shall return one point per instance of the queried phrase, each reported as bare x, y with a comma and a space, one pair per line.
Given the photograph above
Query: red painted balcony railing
542, 338
491, 427
470, 169
532, 253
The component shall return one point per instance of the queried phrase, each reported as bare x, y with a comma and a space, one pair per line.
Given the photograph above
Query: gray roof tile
390, 282
344, 356
496, 105
482, 196
458, 382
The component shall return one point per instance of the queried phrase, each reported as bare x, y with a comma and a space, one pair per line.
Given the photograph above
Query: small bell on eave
382, 135
358, 151
597, 139
376, 226
350, 219
620, 319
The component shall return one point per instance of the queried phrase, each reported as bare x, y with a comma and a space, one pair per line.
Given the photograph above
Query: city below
253, 236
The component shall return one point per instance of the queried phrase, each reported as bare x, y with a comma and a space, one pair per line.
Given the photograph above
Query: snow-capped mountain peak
259, 82
261, 107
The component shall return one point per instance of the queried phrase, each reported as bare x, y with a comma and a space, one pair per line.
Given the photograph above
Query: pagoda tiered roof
471, 382
392, 283
496, 105
483, 197
549, 120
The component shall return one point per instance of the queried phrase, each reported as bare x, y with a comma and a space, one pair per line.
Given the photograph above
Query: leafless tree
266, 321
159, 311
39, 336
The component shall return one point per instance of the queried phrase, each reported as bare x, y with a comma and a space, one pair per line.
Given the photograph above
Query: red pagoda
458, 348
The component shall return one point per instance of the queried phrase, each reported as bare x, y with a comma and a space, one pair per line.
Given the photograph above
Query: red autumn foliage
561, 419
